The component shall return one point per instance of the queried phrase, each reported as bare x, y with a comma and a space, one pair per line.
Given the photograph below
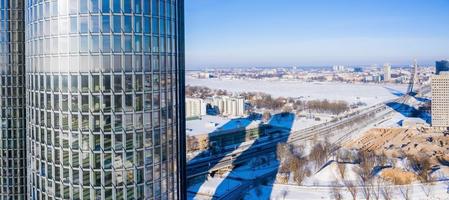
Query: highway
347, 124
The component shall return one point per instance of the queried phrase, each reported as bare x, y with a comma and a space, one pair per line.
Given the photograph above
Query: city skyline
314, 33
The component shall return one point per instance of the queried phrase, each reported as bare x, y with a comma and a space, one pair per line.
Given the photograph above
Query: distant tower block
387, 72
440, 100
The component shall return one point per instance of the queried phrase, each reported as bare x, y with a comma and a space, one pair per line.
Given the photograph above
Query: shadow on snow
274, 132
409, 111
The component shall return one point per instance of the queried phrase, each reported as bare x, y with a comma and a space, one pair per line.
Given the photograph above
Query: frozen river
367, 93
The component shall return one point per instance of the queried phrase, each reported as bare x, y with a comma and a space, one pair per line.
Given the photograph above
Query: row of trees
294, 162
203, 92
264, 100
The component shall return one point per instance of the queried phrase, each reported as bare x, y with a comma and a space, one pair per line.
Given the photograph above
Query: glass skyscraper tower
12, 100
104, 88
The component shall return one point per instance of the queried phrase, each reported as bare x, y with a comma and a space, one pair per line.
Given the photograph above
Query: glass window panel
94, 6
83, 6
138, 6
73, 25
128, 24
127, 6
106, 45
137, 24
95, 44
94, 23
128, 43
117, 43
84, 41
117, 24
105, 8
117, 6
106, 25
84, 28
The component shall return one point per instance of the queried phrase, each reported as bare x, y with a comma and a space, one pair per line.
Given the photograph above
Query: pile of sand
399, 142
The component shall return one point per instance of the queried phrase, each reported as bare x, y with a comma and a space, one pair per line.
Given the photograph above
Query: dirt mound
399, 142
398, 176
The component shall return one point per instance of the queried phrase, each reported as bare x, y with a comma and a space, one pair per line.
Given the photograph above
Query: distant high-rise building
12, 101
440, 100
387, 72
441, 66
195, 108
358, 69
339, 68
105, 94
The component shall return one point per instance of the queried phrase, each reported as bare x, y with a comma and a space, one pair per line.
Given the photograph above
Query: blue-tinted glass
117, 43
146, 7
106, 44
146, 25
154, 6
155, 44
95, 44
117, 24
106, 25
161, 9
147, 44
84, 47
84, 28
94, 24
137, 24
155, 26
83, 6
128, 24
73, 25
94, 7
105, 6
162, 24
117, 8
137, 43
138, 6
127, 6
128, 43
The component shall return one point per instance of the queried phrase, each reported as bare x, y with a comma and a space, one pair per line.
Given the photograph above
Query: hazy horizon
267, 33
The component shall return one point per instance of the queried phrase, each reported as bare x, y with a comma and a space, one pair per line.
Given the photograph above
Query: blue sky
245, 33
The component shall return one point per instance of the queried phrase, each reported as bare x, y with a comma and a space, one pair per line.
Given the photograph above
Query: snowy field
367, 93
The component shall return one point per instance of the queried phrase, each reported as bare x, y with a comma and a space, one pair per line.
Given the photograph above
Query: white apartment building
387, 72
229, 106
440, 100
195, 107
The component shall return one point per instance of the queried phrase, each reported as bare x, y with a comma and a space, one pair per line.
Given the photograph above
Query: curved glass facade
12, 101
103, 98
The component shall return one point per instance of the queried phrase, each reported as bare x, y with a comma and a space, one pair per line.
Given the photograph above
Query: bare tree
336, 191
266, 116
352, 188
365, 172
387, 192
378, 187
405, 191
341, 170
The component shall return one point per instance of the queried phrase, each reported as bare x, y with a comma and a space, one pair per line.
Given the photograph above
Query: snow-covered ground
208, 124
353, 93
438, 191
